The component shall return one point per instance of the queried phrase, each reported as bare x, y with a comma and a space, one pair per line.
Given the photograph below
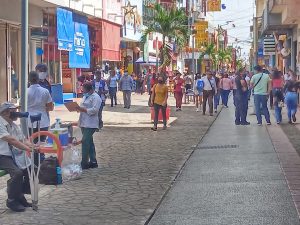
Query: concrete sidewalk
233, 177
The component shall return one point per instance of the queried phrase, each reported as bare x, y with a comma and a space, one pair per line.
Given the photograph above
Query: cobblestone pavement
137, 167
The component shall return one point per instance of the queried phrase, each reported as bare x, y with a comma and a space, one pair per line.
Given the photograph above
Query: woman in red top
277, 91
178, 90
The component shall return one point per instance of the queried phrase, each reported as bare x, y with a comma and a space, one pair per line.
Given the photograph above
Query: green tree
173, 25
224, 55
211, 52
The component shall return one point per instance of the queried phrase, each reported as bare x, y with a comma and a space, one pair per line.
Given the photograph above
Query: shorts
188, 87
197, 93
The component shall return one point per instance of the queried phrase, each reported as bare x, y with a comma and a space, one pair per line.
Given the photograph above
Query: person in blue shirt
113, 87
100, 87
42, 70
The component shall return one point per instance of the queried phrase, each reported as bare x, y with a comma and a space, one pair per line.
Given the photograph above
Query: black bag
48, 174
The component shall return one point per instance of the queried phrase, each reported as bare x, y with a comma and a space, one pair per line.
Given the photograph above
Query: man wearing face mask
11, 138
42, 71
89, 124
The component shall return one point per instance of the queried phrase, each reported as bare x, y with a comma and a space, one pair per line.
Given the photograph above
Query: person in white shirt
209, 91
39, 101
11, 140
89, 124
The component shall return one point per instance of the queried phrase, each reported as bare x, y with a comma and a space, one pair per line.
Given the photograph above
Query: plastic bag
71, 167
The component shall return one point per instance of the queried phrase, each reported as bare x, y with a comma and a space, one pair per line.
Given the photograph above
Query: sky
240, 12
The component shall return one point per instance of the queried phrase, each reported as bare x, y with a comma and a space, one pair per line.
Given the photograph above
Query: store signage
269, 46
213, 5
65, 29
201, 35
80, 56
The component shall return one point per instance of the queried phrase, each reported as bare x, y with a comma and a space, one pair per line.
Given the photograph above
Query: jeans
216, 100
88, 146
127, 99
18, 184
225, 95
113, 95
291, 99
241, 108
234, 93
178, 97
163, 109
208, 96
100, 115
261, 106
277, 96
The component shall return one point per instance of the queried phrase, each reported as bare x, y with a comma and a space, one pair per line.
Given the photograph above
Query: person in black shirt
241, 99
42, 70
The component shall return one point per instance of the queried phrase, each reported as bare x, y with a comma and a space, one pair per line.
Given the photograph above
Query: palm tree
224, 55
210, 51
172, 24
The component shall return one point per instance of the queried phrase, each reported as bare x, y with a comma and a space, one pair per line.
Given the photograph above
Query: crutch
34, 175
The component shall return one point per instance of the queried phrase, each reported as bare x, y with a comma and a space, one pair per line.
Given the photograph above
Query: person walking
261, 83
178, 90
159, 99
198, 90
113, 87
226, 87
277, 92
217, 94
291, 98
100, 87
241, 99
209, 91
126, 85
89, 124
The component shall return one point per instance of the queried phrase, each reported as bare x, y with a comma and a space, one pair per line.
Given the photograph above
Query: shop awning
152, 60
110, 43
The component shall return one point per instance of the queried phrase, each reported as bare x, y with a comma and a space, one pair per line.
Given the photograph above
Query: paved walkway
233, 177
137, 167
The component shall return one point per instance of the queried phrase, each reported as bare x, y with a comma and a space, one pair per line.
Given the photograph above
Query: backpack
200, 85
48, 173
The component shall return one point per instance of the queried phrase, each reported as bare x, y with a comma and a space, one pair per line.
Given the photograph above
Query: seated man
11, 137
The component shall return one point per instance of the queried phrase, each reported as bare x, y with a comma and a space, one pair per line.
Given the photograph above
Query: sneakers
93, 165
269, 123
294, 118
15, 205
245, 123
154, 128
197, 110
85, 166
24, 202
259, 124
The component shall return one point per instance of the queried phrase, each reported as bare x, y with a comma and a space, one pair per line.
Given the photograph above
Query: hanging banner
201, 35
80, 57
213, 5
65, 29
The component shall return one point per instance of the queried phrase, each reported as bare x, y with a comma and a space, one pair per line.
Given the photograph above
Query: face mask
42, 75
160, 81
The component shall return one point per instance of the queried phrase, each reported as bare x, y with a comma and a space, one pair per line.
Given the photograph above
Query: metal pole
156, 54
193, 41
24, 63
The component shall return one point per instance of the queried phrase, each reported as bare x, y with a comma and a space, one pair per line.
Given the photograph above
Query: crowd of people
207, 90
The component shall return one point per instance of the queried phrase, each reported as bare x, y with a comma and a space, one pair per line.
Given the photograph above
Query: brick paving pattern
137, 167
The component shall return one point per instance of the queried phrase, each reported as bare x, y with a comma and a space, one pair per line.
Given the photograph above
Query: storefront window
15, 63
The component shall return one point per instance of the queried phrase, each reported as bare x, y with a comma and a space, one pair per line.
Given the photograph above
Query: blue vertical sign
65, 29
80, 56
